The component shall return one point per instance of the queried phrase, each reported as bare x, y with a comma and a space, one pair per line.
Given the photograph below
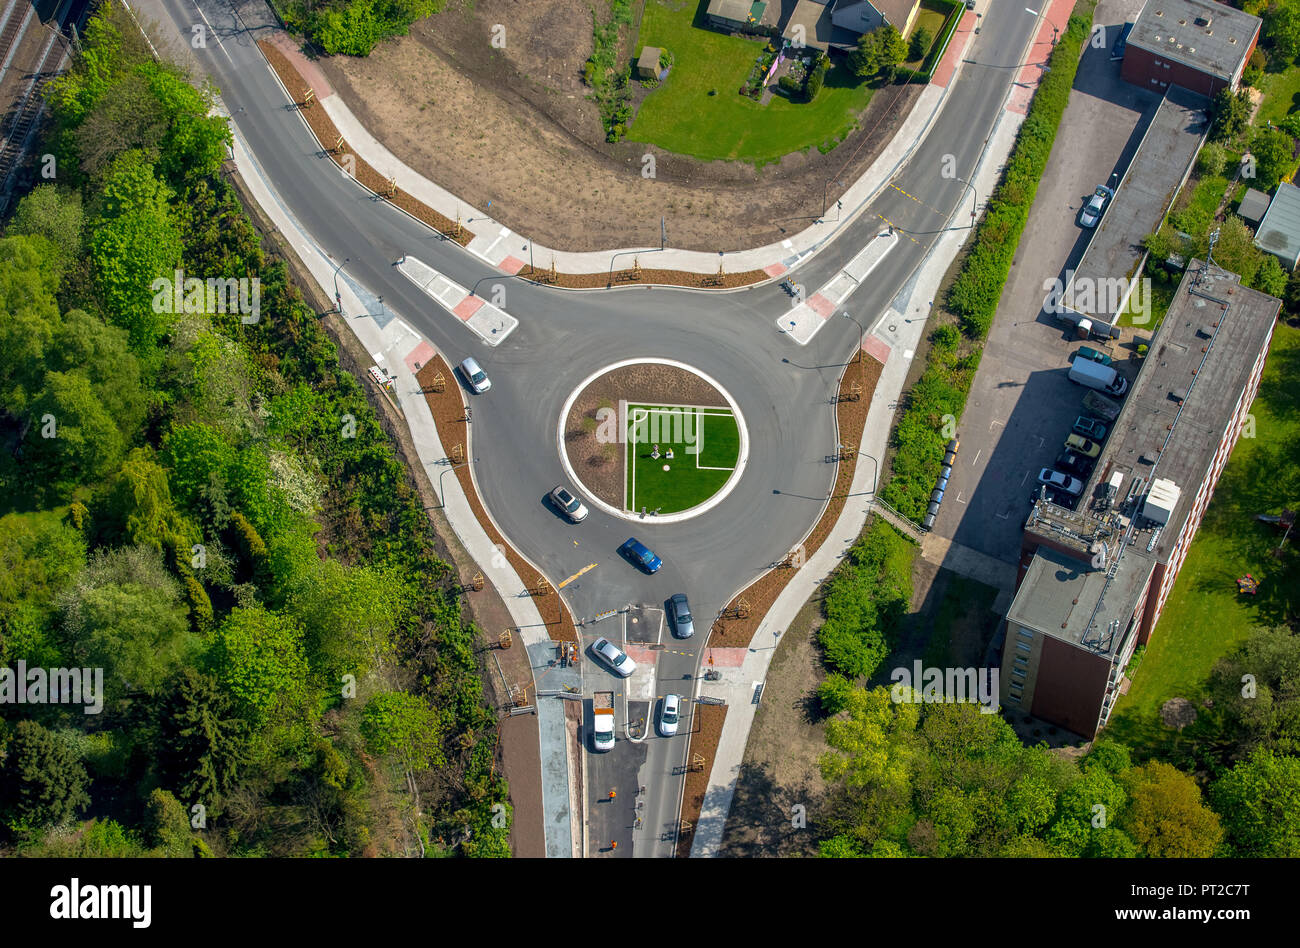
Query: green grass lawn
1204, 617
932, 18
693, 476
1281, 96
681, 116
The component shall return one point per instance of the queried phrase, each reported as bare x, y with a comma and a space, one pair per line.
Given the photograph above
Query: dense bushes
974, 296
816, 77
609, 83
355, 27
865, 600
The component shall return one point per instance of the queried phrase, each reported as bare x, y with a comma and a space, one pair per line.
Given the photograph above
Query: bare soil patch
513, 127
448, 410
733, 630
599, 466
780, 769
706, 731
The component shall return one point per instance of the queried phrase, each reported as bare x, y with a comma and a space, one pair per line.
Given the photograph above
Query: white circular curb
680, 515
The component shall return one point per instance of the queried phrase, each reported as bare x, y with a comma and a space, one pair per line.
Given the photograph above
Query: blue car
641, 555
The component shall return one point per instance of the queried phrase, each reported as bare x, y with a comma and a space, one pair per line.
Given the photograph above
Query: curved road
783, 389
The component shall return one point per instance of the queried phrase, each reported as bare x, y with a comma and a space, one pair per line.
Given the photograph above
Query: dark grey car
680, 610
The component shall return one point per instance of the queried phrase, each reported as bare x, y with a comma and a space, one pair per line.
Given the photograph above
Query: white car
613, 656
668, 715
1071, 485
475, 376
572, 508
1096, 205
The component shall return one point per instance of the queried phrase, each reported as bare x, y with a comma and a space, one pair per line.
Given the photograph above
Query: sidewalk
510, 252
900, 331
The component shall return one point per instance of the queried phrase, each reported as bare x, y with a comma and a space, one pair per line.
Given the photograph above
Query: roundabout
652, 437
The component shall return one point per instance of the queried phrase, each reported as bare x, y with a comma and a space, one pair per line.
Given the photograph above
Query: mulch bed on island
599, 466
706, 731
449, 415
762, 593
592, 281
327, 134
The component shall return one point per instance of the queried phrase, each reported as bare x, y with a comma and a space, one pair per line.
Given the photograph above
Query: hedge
865, 600
974, 295
919, 438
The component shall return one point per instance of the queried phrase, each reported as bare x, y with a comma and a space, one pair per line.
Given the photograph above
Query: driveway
1021, 404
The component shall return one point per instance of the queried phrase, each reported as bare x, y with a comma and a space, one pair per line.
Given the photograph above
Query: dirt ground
513, 127
706, 720
780, 768
600, 466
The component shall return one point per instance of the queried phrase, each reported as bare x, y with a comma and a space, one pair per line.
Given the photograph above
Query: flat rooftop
1141, 201
1170, 427
1279, 230
1210, 37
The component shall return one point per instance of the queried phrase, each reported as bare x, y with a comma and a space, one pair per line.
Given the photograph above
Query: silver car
683, 623
1096, 206
1065, 482
614, 656
475, 376
668, 715
570, 506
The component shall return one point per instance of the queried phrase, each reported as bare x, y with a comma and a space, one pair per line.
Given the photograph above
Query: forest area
200, 501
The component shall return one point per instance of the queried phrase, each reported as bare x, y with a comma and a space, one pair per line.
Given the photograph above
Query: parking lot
1021, 404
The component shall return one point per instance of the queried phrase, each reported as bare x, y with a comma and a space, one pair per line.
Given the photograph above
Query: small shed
1253, 206
647, 64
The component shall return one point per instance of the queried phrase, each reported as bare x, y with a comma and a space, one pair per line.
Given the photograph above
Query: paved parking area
1021, 404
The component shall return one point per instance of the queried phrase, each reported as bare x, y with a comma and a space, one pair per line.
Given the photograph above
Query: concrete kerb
342, 116
741, 462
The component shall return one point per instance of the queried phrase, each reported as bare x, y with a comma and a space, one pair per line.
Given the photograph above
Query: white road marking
214, 34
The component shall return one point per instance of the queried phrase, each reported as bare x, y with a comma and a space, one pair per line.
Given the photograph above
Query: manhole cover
893, 327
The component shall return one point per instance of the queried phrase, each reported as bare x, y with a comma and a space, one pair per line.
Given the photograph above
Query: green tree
1273, 150
1231, 114
1270, 278
201, 744
1282, 29
42, 780
73, 439
40, 555
28, 282
90, 346
134, 242
1165, 815
53, 213
879, 51
919, 45
1259, 803
127, 615
875, 744
402, 725
258, 657
167, 827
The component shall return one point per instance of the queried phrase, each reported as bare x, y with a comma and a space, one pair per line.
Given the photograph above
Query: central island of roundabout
652, 438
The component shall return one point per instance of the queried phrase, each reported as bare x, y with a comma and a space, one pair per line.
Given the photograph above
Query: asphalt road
564, 336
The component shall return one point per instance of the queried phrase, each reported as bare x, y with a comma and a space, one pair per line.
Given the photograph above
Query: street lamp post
974, 199
338, 300
862, 333
1043, 14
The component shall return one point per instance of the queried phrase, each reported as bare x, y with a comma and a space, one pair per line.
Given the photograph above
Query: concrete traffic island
652, 438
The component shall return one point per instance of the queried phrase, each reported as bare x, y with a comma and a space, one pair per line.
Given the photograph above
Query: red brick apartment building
1093, 581
1197, 44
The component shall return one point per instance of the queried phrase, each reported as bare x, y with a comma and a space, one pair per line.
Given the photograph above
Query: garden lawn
932, 18
1204, 617
682, 117
1281, 96
691, 478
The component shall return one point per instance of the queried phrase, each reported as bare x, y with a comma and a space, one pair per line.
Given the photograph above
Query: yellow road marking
589, 566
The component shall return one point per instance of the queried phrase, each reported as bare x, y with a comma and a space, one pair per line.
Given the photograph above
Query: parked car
1052, 496
641, 555
1086, 447
680, 610
570, 506
475, 377
1089, 428
1088, 352
1072, 463
615, 657
668, 715
1096, 206
1065, 482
